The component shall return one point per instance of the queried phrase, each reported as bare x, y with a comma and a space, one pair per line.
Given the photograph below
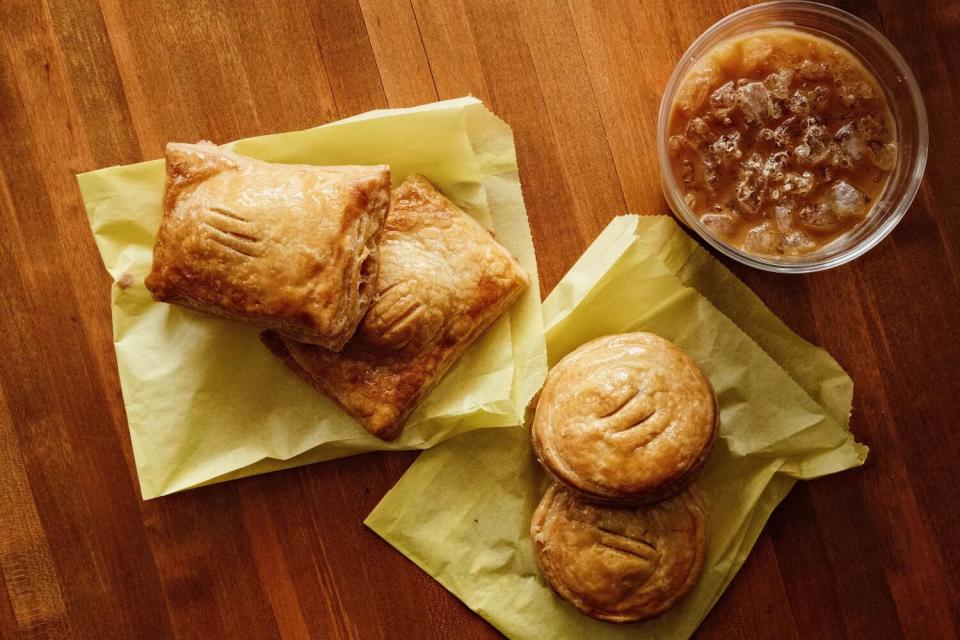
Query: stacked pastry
369, 295
623, 424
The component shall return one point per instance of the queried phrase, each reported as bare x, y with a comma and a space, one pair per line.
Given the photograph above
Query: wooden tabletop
871, 553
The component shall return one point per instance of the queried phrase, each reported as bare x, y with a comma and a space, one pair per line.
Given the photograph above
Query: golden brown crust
443, 280
625, 419
285, 247
616, 563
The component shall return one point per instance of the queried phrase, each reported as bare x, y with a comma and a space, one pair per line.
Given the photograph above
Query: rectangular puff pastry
443, 280
286, 247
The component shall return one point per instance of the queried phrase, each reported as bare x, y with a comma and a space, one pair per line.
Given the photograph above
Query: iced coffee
781, 141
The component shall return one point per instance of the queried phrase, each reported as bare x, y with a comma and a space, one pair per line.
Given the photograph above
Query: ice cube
883, 156
756, 104
837, 158
810, 70
724, 97
695, 89
773, 174
778, 84
754, 52
783, 215
792, 184
726, 148
721, 156
688, 174
855, 93
749, 193
852, 145
842, 71
774, 166
787, 132
846, 200
820, 97
698, 132
711, 169
723, 118
795, 243
761, 239
677, 145
819, 217
814, 146
722, 223
798, 184
870, 125
847, 96
799, 103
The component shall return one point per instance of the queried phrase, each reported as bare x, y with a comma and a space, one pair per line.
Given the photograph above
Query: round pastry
619, 563
625, 419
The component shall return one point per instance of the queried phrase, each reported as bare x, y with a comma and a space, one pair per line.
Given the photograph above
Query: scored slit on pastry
636, 424
292, 248
625, 417
243, 243
443, 280
617, 407
624, 544
226, 213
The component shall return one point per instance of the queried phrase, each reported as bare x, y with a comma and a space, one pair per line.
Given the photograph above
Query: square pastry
292, 248
443, 280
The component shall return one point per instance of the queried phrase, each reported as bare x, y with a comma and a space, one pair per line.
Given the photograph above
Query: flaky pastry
625, 418
620, 563
285, 247
443, 280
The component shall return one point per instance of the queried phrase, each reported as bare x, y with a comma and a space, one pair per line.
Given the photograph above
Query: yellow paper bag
206, 402
462, 511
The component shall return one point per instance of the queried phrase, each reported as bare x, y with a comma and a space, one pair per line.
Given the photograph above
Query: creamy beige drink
780, 141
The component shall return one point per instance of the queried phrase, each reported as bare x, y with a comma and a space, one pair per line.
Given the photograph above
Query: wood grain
90, 83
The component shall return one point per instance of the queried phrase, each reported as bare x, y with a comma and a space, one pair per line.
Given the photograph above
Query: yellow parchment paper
206, 402
462, 511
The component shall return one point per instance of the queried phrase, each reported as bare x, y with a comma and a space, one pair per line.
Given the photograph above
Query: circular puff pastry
616, 563
625, 419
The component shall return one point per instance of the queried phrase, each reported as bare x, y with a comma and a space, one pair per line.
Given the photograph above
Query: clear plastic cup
903, 98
